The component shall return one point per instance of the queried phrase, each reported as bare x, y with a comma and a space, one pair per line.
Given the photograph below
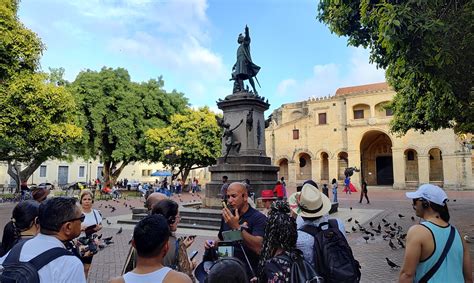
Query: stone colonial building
318, 138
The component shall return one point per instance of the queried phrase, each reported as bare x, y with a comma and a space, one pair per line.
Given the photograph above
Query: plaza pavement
384, 203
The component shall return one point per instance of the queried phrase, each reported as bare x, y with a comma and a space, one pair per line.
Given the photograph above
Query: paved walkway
384, 203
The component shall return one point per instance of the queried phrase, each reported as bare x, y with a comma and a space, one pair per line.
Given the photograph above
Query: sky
192, 44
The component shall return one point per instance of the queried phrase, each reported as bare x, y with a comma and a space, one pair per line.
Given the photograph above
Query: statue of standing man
244, 68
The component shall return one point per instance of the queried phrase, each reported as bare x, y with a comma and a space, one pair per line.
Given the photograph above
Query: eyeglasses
81, 218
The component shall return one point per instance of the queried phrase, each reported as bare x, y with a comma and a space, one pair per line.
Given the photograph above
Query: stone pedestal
244, 113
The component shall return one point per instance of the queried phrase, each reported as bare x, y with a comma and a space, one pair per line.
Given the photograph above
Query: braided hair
23, 217
280, 232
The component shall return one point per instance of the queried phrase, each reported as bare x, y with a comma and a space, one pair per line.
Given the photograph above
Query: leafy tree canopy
115, 113
20, 48
427, 49
37, 121
195, 133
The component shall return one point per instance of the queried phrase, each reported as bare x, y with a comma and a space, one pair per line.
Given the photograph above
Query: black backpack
15, 271
301, 271
332, 255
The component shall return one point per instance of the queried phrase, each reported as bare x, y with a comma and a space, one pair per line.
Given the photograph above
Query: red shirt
279, 190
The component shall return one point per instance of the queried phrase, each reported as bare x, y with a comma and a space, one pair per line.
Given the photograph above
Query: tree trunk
111, 174
22, 175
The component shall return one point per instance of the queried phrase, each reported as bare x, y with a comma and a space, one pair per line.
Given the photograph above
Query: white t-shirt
156, 276
65, 269
92, 218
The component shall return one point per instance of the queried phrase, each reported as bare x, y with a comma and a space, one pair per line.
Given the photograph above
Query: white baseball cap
429, 192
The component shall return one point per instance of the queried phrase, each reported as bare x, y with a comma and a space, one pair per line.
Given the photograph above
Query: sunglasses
416, 199
81, 218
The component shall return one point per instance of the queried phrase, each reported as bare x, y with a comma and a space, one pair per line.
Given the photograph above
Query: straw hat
310, 202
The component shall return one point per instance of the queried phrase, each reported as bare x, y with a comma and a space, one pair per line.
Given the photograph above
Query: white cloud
284, 85
327, 78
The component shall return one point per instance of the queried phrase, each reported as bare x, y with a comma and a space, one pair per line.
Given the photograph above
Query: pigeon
412, 218
391, 263
349, 220
371, 224
454, 200
100, 236
366, 238
386, 225
355, 221
108, 222
108, 242
350, 208
377, 231
379, 227
403, 236
400, 215
119, 231
390, 243
353, 229
468, 239
347, 232
384, 221
394, 224
400, 243
108, 238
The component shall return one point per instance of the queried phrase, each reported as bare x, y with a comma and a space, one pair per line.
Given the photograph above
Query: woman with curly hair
279, 245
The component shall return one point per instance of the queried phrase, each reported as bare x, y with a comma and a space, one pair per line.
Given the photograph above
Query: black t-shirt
255, 221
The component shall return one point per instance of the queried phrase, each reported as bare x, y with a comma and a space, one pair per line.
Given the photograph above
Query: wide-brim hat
202, 270
267, 195
310, 202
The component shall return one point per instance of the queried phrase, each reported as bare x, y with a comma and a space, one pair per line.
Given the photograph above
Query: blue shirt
256, 222
451, 270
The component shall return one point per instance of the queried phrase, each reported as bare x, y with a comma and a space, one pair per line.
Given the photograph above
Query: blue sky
193, 43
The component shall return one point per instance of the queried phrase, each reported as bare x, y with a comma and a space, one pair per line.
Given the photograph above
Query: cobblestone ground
384, 203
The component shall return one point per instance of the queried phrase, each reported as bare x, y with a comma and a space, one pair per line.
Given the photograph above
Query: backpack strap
435, 267
14, 255
333, 223
46, 257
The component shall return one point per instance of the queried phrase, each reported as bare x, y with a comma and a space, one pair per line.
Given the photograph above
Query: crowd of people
294, 240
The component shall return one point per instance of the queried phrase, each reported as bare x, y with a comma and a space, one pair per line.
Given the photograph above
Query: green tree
115, 113
427, 49
195, 133
20, 48
37, 122
37, 118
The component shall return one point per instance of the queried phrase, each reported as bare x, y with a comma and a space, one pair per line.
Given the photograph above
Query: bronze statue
244, 68
230, 141
250, 120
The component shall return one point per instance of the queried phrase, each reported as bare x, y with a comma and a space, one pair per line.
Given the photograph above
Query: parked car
74, 186
48, 186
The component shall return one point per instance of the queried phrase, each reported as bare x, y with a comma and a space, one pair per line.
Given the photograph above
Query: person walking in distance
363, 192
334, 190
435, 251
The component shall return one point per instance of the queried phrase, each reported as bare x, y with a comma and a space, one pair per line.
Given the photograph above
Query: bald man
153, 199
246, 219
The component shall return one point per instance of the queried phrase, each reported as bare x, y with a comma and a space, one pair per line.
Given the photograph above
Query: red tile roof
362, 88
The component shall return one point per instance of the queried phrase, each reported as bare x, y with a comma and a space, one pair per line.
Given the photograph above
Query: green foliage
195, 133
20, 48
115, 113
427, 48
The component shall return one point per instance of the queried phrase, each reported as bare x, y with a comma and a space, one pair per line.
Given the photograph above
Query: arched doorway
342, 164
283, 172
411, 167
304, 172
324, 167
436, 166
376, 158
